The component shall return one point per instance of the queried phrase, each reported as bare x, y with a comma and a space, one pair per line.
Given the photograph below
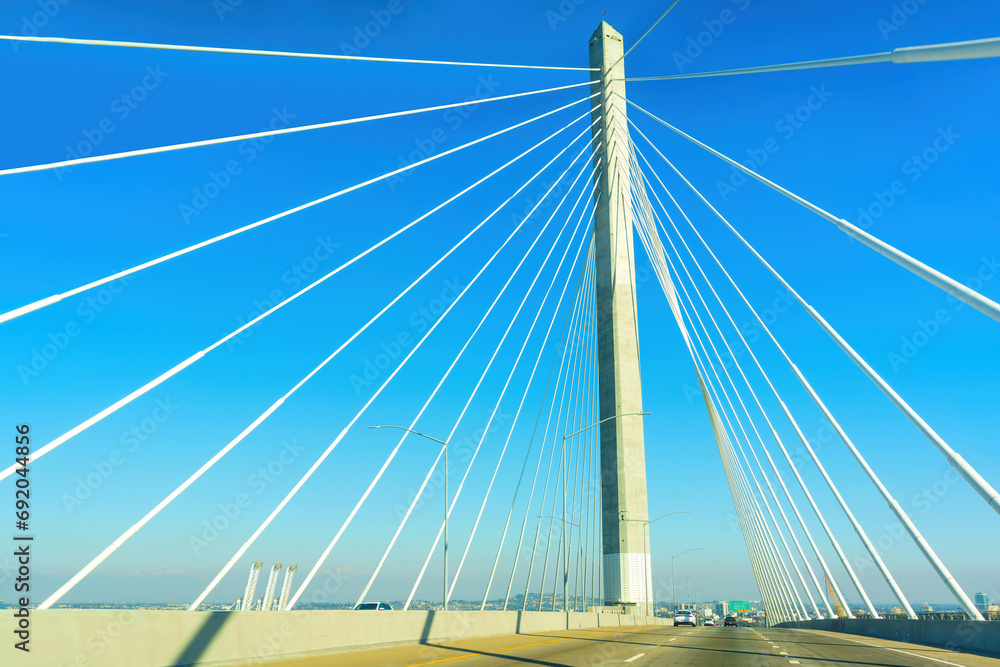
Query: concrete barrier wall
127, 638
978, 636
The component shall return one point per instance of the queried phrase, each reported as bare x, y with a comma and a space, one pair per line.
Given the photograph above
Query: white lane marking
673, 639
794, 662
635, 657
783, 652
915, 655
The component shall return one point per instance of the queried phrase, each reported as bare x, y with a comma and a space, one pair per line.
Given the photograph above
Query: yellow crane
835, 600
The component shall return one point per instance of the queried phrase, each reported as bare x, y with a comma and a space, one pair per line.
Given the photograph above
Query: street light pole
646, 539
562, 464
689, 583
444, 597
673, 583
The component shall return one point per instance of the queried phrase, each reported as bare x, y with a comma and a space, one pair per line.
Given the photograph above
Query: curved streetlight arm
548, 516
624, 414
410, 430
444, 579
665, 515
689, 551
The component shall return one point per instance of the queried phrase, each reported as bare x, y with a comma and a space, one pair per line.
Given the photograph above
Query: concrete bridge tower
627, 577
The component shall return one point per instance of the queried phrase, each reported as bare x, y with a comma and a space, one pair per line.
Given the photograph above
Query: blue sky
63, 229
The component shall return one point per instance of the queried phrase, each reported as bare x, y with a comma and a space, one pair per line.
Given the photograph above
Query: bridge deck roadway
657, 645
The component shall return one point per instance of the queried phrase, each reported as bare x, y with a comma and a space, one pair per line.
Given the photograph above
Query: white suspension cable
556, 398
939, 567
977, 48
569, 358
556, 362
577, 443
774, 496
267, 133
419, 494
770, 544
721, 438
371, 400
654, 250
791, 419
649, 30
198, 355
749, 538
931, 275
541, 451
472, 460
409, 511
517, 488
805, 587
517, 414
988, 493
774, 432
55, 298
833, 488
587, 417
284, 54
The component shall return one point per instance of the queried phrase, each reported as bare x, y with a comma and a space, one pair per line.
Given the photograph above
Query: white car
710, 621
374, 606
685, 617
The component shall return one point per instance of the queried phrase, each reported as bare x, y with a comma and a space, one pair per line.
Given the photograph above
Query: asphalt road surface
657, 645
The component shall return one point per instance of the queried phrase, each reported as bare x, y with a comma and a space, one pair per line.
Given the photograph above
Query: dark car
730, 622
373, 606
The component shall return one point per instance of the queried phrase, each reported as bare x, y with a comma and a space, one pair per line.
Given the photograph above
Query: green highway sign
739, 605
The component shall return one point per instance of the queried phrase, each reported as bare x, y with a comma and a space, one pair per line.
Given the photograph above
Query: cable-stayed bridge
450, 353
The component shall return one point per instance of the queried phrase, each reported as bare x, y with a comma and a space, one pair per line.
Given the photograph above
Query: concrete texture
975, 636
127, 638
623, 465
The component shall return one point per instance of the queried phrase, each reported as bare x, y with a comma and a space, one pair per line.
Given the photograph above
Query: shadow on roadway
203, 639
614, 636
723, 651
499, 654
